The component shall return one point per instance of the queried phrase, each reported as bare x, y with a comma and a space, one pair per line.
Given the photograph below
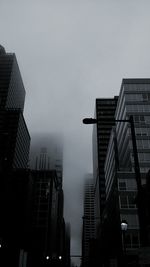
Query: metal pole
135, 155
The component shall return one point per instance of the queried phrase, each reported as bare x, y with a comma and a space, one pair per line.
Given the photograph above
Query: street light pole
124, 227
140, 196
133, 137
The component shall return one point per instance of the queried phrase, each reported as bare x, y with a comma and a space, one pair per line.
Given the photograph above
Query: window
139, 119
146, 96
128, 240
127, 201
143, 144
144, 156
131, 201
135, 240
132, 240
142, 131
127, 184
122, 186
123, 202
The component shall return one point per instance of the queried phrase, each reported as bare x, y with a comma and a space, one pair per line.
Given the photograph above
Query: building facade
88, 233
12, 92
104, 113
44, 217
14, 153
120, 166
46, 163
14, 135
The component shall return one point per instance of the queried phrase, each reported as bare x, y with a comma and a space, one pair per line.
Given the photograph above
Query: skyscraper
47, 153
88, 219
47, 166
14, 153
104, 113
120, 171
12, 92
14, 135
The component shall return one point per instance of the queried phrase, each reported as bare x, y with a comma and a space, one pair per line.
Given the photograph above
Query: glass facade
14, 148
15, 140
88, 219
44, 211
12, 92
134, 99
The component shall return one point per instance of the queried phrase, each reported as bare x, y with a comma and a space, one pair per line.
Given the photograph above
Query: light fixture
124, 225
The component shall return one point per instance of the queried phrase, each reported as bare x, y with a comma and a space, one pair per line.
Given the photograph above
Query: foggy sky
69, 53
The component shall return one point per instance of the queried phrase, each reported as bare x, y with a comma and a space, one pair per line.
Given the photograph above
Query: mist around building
116, 205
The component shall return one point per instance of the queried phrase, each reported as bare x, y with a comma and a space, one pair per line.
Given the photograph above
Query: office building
88, 219
120, 169
44, 220
46, 163
14, 153
15, 138
12, 92
104, 113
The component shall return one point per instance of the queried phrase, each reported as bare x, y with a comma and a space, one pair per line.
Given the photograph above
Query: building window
132, 240
128, 240
131, 201
146, 96
122, 186
144, 156
127, 201
123, 202
139, 119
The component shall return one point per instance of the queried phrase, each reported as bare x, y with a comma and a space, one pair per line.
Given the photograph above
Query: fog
69, 53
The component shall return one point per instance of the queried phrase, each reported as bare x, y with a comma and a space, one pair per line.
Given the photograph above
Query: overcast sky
69, 53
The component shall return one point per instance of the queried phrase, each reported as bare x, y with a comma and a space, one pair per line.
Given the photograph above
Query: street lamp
124, 226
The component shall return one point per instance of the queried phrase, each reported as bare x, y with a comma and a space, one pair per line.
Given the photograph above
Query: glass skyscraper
14, 135
134, 100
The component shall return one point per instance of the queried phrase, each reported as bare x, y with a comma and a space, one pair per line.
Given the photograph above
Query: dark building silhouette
104, 113
15, 140
12, 92
14, 135
14, 151
43, 236
124, 201
67, 259
46, 162
32, 228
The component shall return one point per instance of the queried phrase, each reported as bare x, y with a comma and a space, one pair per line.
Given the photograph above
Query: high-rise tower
14, 135
88, 219
104, 113
14, 153
125, 200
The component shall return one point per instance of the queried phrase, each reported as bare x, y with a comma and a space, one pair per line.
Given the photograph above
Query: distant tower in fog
47, 153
